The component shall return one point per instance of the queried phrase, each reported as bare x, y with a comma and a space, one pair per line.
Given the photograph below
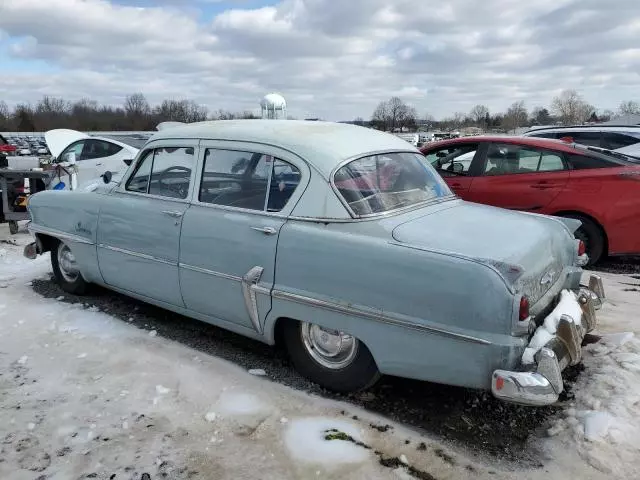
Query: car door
230, 233
519, 177
453, 163
139, 224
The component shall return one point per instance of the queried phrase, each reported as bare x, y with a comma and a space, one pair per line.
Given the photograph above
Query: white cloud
330, 59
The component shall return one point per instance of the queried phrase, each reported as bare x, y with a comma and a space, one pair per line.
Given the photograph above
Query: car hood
521, 246
60, 138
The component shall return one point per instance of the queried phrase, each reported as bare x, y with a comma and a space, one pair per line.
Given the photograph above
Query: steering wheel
180, 189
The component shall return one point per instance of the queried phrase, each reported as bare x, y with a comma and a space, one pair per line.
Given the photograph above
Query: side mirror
128, 161
107, 176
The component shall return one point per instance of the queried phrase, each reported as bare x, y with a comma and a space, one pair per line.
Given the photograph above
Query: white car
93, 155
619, 138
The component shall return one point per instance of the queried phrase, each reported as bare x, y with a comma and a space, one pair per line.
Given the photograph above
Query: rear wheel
330, 358
66, 270
592, 236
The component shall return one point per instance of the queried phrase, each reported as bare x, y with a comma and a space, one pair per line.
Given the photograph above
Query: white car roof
323, 144
587, 128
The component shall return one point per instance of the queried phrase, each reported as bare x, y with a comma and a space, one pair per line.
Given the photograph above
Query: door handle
265, 230
172, 213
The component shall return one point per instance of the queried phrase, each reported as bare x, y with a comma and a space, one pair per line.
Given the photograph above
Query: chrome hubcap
330, 348
67, 263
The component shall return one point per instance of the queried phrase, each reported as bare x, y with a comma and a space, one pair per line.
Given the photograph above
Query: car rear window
389, 181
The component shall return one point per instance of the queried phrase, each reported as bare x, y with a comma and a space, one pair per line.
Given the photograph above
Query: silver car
339, 242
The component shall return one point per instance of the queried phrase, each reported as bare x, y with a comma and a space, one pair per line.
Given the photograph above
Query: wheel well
565, 213
278, 330
47, 242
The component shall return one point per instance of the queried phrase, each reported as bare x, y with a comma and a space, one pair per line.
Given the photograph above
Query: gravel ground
474, 421
624, 265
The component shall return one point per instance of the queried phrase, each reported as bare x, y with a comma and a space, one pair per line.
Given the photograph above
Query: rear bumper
541, 384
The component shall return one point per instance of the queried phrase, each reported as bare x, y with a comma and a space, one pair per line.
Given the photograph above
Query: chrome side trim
58, 234
205, 271
137, 254
379, 317
249, 282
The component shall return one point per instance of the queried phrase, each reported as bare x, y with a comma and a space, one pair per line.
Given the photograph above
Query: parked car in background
94, 155
339, 242
621, 138
549, 177
5, 147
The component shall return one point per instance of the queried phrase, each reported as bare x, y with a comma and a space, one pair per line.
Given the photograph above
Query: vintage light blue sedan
341, 243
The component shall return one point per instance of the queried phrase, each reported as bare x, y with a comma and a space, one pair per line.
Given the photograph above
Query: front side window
453, 160
165, 172
380, 183
76, 148
248, 180
509, 159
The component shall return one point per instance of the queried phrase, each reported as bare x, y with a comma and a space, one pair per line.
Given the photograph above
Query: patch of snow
210, 417
569, 306
160, 390
259, 372
153, 333
23, 360
82, 355
305, 441
240, 404
403, 459
616, 339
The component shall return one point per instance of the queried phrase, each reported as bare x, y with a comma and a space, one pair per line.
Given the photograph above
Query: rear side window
583, 162
248, 180
613, 141
545, 135
591, 139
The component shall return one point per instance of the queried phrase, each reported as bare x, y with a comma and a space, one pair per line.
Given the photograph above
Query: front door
230, 233
453, 163
519, 177
139, 225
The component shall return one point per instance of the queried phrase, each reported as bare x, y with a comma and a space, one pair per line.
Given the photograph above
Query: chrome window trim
305, 175
137, 254
194, 143
379, 317
58, 234
394, 211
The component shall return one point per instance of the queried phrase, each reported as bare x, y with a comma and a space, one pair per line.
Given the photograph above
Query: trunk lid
530, 251
60, 138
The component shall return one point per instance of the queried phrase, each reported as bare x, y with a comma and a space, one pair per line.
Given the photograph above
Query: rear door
453, 163
519, 177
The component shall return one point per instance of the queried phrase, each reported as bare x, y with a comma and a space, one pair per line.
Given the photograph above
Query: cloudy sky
335, 59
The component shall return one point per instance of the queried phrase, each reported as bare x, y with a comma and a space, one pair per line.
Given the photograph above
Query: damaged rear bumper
542, 384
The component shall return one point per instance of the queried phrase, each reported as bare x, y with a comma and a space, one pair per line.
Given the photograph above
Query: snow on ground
84, 395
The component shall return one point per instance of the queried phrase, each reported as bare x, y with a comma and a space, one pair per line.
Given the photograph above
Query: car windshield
383, 182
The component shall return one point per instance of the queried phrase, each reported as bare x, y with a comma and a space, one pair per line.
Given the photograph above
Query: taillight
582, 248
524, 308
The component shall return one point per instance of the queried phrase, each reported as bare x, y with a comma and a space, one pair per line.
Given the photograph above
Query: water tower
273, 106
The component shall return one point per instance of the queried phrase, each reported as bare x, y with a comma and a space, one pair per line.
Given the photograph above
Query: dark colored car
598, 187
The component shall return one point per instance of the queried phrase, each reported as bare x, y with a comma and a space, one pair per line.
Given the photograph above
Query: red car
5, 148
598, 187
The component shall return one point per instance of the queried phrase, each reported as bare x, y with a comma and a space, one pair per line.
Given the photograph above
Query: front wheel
332, 359
66, 271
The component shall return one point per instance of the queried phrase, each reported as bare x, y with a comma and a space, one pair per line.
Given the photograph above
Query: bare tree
380, 116
479, 114
516, 116
629, 107
606, 115
4, 116
571, 108
541, 116
394, 114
